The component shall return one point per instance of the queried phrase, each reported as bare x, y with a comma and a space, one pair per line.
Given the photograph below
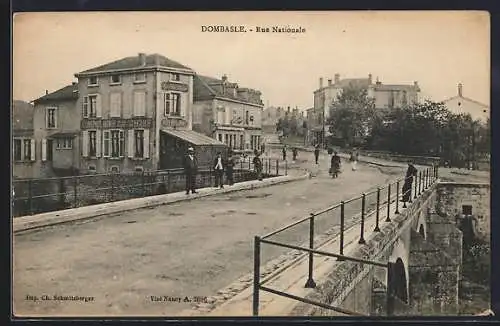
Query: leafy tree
351, 115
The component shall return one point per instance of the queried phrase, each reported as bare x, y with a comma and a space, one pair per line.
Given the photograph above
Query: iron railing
39, 195
393, 191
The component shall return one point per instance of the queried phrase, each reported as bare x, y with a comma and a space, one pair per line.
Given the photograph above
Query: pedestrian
316, 153
354, 160
257, 165
190, 170
294, 153
335, 165
219, 171
284, 153
230, 162
407, 185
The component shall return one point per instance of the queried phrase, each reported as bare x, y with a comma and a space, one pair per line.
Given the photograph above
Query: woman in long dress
354, 160
407, 185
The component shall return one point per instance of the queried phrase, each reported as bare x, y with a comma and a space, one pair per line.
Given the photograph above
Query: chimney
224, 78
321, 82
369, 79
329, 82
288, 109
142, 59
460, 90
337, 78
378, 81
46, 92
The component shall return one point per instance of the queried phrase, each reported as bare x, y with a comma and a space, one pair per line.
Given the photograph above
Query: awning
64, 134
192, 137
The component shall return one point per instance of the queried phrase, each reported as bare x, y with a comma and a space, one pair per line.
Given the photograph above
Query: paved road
190, 248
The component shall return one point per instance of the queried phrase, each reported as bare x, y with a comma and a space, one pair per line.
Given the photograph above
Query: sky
437, 49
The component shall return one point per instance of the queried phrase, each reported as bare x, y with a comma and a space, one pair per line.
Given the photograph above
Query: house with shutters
56, 123
136, 115
228, 113
23, 152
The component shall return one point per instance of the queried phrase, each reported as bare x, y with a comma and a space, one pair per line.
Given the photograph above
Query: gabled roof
466, 99
152, 60
69, 92
22, 115
205, 87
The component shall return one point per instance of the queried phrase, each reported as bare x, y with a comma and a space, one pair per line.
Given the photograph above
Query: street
187, 249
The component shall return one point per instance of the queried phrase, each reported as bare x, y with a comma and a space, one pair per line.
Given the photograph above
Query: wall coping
464, 184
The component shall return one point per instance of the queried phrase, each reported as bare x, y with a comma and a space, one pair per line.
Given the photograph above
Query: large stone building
461, 104
136, 114
24, 145
227, 112
56, 131
385, 96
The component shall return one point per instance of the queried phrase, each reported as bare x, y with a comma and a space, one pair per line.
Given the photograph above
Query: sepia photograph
239, 164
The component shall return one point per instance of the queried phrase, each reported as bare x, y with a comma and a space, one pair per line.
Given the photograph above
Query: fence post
269, 165
241, 164
286, 167
256, 275
310, 281
397, 198
377, 213
388, 218
363, 206
143, 184
249, 164
277, 167
415, 191
342, 221
30, 197
75, 191
420, 183
112, 186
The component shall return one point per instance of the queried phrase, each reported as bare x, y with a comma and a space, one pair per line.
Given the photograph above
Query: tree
351, 115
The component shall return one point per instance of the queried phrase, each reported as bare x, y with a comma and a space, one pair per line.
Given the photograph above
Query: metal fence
364, 206
32, 196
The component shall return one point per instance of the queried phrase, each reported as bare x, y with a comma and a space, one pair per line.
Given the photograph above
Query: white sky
437, 49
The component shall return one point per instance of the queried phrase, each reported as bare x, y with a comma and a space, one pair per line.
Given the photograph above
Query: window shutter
136, 103
46, 118
146, 143
130, 143
33, 149
115, 99
143, 105
85, 101
98, 144
98, 106
139, 104
56, 113
44, 149
85, 143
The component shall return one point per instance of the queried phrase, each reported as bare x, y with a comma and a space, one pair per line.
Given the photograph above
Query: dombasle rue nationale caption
254, 29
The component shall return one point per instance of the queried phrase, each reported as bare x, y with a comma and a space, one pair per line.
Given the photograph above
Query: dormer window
175, 77
116, 79
93, 81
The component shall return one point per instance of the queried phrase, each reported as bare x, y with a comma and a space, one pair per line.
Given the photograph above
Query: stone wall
453, 196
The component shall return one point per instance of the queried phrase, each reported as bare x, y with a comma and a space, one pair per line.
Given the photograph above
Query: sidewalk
25, 223
292, 277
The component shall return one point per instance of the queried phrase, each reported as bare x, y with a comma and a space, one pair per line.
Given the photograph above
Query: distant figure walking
219, 171
316, 153
354, 160
230, 168
190, 170
407, 185
294, 153
284, 153
257, 165
335, 165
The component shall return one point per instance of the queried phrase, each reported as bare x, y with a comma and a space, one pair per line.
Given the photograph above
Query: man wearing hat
219, 166
190, 169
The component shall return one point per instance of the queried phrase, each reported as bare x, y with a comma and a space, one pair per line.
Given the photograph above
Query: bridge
192, 247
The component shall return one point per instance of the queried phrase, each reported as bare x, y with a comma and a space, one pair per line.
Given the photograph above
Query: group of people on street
295, 152
220, 167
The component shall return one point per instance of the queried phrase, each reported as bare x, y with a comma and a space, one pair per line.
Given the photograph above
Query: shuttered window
115, 105
139, 104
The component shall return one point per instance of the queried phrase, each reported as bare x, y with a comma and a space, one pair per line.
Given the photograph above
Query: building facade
129, 110
228, 113
385, 96
24, 145
56, 130
461, 104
